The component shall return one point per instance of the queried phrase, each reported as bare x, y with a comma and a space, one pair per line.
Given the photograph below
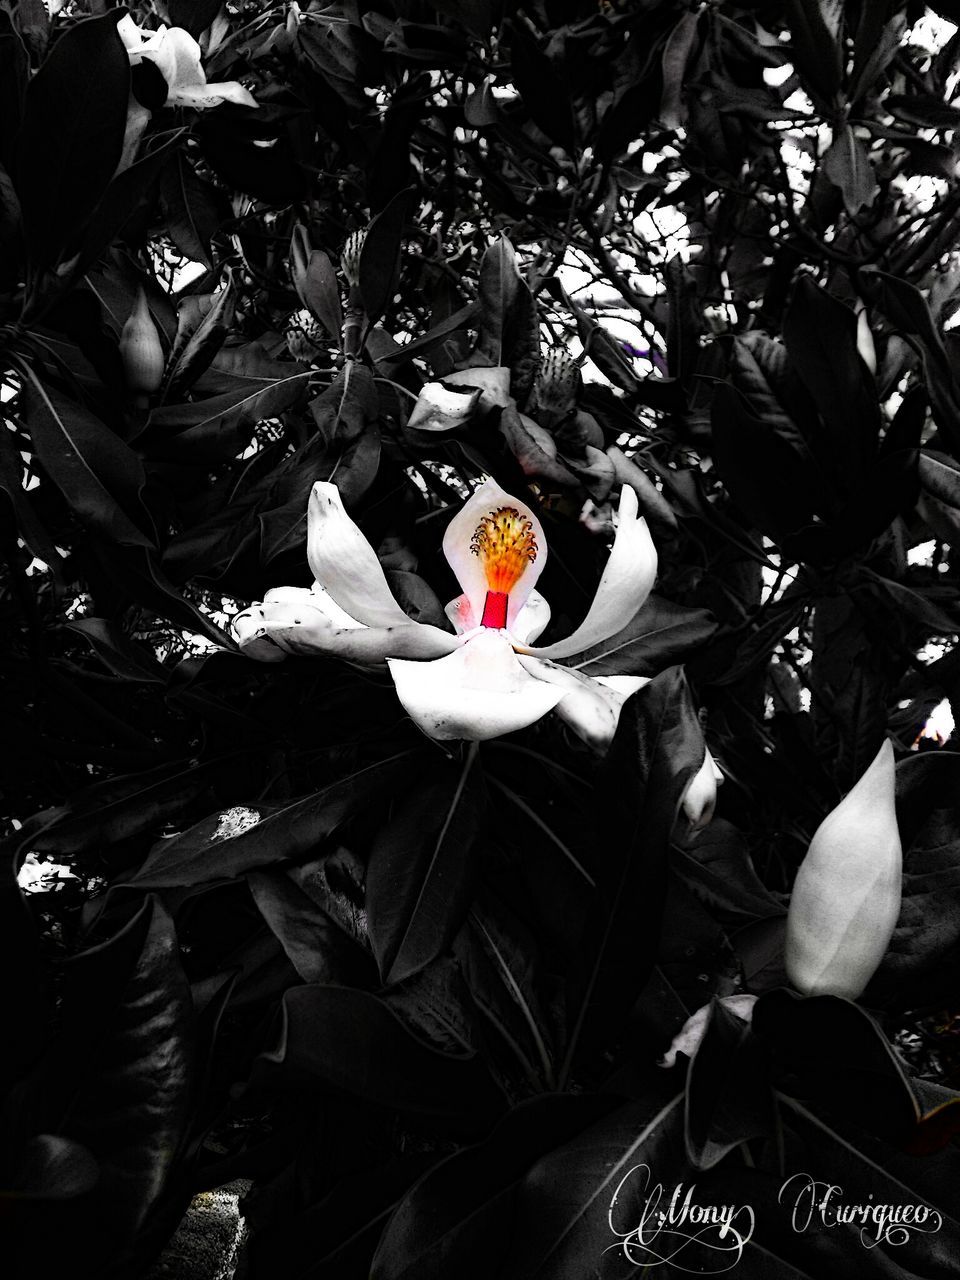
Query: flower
488, 678
846, 896
176, 56
700, 797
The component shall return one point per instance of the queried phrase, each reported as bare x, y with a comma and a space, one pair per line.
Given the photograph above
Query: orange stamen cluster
505, 542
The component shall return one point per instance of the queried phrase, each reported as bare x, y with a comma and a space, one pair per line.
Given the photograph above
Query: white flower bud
846, 897
141, 350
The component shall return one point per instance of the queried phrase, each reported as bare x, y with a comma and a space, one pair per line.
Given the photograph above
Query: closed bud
558, 381
846, 897
700, 797
141, 350
350, 258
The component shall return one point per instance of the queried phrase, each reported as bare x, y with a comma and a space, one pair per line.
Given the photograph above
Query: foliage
417, 991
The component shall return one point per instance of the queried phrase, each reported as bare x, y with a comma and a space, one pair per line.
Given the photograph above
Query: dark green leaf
338, 1038
72, 137
460, 1216
420, 875
221, 847
657, 750
380, 256
660, 633
99, 476
729, 1094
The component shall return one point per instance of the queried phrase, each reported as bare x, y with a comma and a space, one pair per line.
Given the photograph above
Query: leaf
544, 92
193, 15
338, 1235
379, 268
420, 874
14, 75
660, 633
196, 345
72, 135
504, 971
432, 338
656, 751
499, 286
194, 210
579, 1198
346, 1039
128, 193
821, 338
316, 946
315, 281
753, 447
460, 1216
132, 573
218, 848
117, 809
940, 476
28, 522
847, 165
100, 477
928, 929
729, 1096
816, 51
119, 1080
907, 309
829, 1050
676, 56
197, 426
347, 407
715, 865
54, 1168
124, 657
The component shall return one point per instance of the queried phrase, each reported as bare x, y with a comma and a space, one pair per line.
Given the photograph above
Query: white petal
700, 797
344, 563
470, 568
294, 625
131, 35
177, 56
493, 384
250, 634
201, 97
313, 598
441, 408
480, 691
531, 621
625, 584
623, 686
590, 709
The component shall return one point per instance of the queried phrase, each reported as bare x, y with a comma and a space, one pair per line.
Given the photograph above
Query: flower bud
846, 897
700, 797
140, 350
558, 382
350, 258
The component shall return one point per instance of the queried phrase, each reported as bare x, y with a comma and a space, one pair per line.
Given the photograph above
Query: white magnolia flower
177, 57
489, 678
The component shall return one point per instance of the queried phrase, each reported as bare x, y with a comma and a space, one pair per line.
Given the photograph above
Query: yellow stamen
505, 542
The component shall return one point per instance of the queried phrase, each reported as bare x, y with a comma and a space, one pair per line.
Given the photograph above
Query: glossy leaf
420, 875
72, 135
338, 1038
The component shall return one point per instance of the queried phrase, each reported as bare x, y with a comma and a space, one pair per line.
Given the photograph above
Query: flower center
505, 543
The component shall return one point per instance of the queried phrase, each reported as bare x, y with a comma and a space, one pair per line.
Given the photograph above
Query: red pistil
495, 610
